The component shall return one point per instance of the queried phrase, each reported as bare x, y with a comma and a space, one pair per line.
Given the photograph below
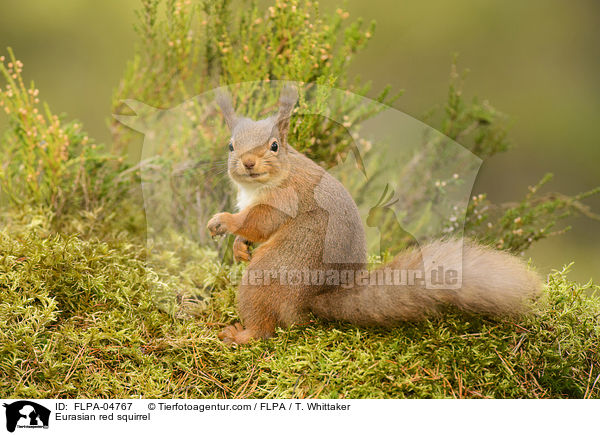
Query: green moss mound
79, 318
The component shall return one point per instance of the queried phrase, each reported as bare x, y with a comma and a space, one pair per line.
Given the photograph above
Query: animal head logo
410, 182
26, 414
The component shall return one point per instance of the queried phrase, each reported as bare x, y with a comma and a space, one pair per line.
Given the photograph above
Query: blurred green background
537, 61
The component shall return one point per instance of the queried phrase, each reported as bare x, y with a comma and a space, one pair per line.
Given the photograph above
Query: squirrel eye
230, 146
274, 146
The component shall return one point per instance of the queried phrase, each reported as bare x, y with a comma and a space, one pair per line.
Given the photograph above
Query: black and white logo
24, 414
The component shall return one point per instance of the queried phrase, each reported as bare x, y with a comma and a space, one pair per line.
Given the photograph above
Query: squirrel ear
224, 101
287, 101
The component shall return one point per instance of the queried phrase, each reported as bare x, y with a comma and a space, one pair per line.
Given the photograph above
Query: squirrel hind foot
236, 334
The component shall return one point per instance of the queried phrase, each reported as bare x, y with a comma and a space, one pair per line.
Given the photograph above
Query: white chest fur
250, 195
247, 195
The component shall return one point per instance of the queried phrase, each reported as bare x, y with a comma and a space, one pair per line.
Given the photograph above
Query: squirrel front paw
241, 249
216, 225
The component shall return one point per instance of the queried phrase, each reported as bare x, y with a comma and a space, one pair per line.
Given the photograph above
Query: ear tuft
287, 101
224, 101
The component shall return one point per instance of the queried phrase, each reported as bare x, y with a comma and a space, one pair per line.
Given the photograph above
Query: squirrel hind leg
262, 309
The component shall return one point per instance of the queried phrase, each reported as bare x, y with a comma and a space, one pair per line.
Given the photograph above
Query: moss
78, 318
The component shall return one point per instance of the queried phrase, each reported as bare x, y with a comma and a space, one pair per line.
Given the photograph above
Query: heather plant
197, 47
483, 130
517, 225
47, 160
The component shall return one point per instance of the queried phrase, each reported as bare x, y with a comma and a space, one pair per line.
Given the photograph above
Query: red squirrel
281, 198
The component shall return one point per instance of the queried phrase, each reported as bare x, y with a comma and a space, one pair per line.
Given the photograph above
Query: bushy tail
493, 283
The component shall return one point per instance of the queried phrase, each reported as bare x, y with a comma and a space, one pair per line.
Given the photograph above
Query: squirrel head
258, 150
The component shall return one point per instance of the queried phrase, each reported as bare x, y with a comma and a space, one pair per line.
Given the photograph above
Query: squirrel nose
248, 162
